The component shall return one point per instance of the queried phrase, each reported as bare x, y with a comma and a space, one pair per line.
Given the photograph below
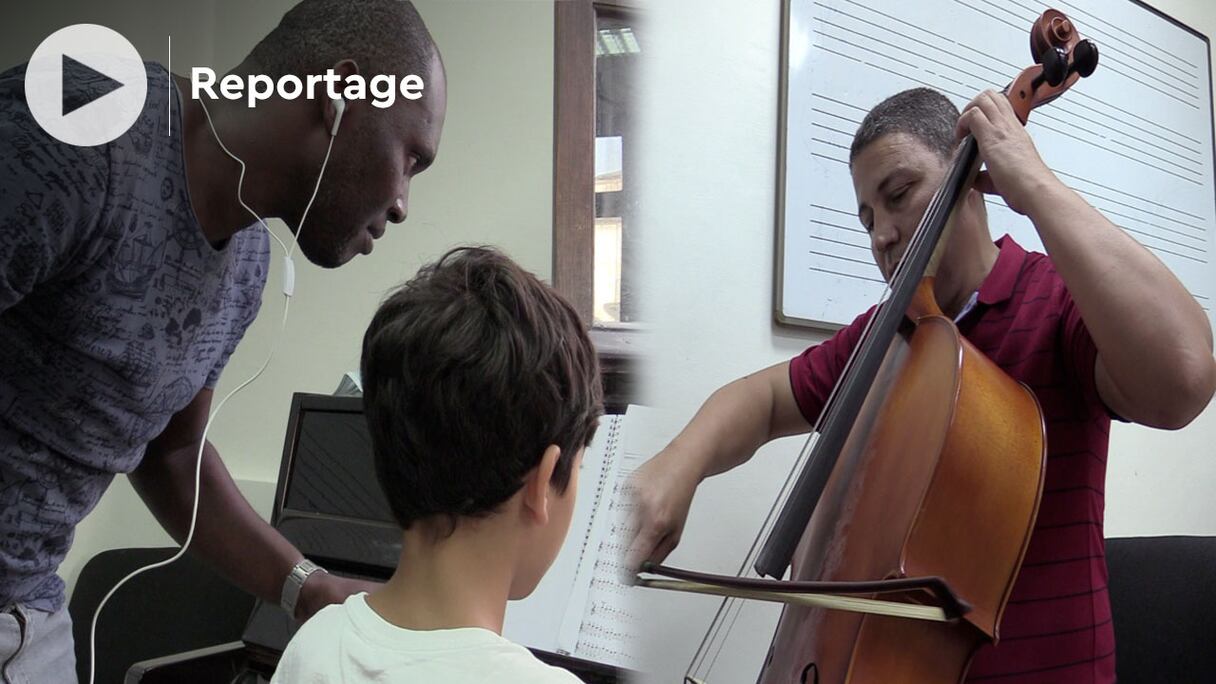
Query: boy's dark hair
470, 370
922, 113
382, 36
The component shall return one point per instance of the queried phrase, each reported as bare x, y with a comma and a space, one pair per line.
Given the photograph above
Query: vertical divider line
169, 68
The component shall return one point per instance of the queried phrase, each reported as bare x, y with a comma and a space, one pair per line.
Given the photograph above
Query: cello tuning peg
1055, 66
1084, 58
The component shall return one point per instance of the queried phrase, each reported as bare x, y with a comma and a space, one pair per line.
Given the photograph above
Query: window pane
607, 282
608, 164
617, 53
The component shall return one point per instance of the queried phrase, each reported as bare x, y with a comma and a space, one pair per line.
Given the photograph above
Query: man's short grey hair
381, 36
923, 113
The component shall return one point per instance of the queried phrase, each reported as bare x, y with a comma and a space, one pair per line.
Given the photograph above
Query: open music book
581, 607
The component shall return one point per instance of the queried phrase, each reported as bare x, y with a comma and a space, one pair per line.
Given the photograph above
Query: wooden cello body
941, 476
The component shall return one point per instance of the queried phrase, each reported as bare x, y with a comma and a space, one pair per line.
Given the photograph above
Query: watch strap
294, 583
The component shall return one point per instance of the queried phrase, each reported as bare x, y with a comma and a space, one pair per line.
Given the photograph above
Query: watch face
302, 570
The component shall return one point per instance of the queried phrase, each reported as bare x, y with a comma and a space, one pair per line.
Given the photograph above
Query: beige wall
491, 183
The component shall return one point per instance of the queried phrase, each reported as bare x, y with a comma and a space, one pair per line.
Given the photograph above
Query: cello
906, 528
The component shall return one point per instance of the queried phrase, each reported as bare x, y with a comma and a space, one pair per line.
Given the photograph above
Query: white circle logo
85, 84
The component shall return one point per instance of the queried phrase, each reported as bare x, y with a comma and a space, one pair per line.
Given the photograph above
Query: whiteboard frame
782, 147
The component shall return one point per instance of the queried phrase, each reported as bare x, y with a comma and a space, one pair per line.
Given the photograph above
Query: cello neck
963, 170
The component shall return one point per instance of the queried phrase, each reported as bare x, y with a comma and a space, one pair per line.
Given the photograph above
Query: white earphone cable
288, 289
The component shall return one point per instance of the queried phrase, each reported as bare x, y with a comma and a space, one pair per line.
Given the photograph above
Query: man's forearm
230, 535
738, 419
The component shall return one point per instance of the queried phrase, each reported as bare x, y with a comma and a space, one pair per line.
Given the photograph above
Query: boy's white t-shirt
349, 643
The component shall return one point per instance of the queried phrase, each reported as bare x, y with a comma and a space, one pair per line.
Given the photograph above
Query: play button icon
74, 99
86, 84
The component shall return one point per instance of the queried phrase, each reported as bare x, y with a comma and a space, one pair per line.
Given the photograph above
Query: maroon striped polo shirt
1057, 626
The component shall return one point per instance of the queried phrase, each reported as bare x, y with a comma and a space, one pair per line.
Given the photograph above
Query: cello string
711, 635
738, 610
707, 643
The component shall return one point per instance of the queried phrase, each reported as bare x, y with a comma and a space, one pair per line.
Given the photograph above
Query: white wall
711, 109
491, 183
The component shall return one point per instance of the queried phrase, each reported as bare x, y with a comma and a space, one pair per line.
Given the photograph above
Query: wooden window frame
574, 152
574, 187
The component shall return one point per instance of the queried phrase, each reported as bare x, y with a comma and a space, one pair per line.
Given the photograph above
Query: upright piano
328, 503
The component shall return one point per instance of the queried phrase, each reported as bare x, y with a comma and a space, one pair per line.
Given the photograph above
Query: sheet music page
538, 620
595, 486
608, 630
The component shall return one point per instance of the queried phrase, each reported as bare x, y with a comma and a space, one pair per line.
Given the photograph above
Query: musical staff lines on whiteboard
1134, 140
841, 29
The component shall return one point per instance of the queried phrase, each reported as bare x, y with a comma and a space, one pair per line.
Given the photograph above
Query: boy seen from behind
481, 390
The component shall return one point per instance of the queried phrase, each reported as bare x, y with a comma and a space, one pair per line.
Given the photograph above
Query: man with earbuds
130, 271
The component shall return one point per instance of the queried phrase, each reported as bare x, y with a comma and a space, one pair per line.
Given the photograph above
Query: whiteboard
1134, 139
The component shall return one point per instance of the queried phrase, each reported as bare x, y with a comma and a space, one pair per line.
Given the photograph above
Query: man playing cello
1098, 329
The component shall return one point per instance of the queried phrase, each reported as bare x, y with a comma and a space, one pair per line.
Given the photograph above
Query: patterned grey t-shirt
114, 313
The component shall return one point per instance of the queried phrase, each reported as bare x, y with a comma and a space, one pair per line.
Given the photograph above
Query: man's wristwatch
295, 582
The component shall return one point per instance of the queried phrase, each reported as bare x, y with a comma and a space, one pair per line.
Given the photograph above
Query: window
596, 72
